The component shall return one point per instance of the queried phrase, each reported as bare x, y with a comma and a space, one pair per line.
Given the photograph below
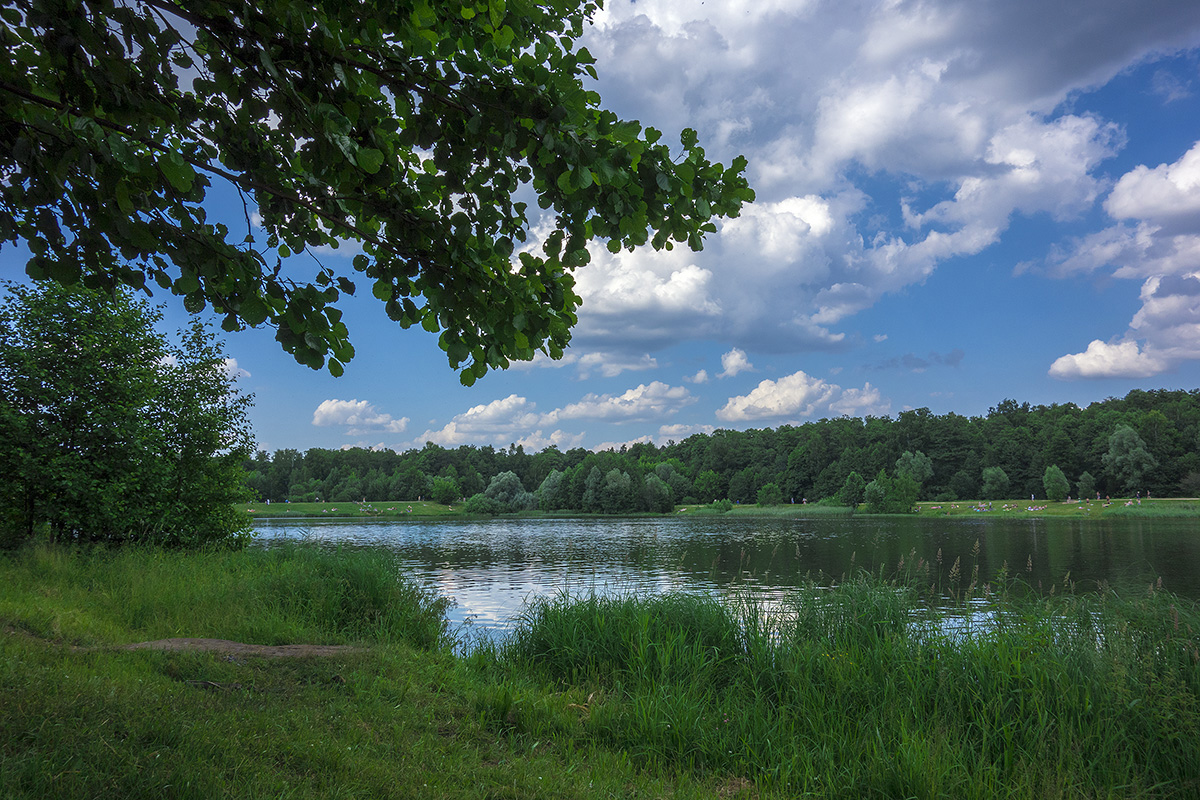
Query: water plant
864, 690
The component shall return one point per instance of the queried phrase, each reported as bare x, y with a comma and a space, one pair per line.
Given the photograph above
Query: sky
958, 203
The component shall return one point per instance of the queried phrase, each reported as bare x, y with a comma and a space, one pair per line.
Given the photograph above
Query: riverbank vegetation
861, 690
1141, 445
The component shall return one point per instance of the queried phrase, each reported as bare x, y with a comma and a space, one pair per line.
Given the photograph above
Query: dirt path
227, 647
221, 646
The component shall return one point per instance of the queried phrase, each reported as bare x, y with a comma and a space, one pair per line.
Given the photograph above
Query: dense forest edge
1146, 444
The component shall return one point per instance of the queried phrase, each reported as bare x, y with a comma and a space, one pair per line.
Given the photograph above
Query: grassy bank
1077, 509
855, 691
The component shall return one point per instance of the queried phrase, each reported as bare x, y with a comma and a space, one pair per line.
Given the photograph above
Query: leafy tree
551, 494
852, 491
995, 483
444, 490
917, 466
657, 495
508, 493
480, 503
1127, 460
1055, 483
404, 127
770, 495
963, 486
1086, 485
109, 432
616, 493
708, 486
891, 494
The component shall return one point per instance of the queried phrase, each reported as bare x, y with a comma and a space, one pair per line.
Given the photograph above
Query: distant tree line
1147, 442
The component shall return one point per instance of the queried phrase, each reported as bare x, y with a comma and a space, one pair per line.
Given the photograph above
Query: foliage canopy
409, 129
108, 432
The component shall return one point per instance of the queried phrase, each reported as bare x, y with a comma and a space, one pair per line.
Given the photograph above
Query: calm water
489, 568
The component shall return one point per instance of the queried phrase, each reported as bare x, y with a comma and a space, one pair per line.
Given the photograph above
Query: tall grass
861, 690
287, 593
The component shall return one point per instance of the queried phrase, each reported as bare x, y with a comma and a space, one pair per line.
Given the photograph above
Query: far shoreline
395, 510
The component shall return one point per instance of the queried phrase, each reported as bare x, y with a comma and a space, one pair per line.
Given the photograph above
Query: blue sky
957, 203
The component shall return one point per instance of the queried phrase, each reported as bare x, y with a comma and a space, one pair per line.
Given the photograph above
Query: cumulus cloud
963, 106
497, 422
1156, 240
230, 365
733, 362
698, 378
680, 432
1168, 195
639, 404
1107, 360
359, 416
800, 396
610, 365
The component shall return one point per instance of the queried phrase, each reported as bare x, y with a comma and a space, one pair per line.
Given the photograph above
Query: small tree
109, 432
708, 486
1055, 483
1086, 485
995, 483
444, 490
851, 493
509, 493
891, 495
770, 495
1127, 460
550, 495
656, 495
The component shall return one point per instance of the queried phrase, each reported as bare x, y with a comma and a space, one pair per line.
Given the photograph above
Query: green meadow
861, 690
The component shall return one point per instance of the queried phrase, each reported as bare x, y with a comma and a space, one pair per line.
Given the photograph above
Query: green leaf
177, 171
335, 368
496, 12
370, 160
253, 311
383, 289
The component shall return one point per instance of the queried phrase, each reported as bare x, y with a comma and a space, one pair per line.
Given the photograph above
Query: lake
490, 567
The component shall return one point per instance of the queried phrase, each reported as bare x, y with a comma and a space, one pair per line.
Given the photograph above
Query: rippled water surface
490, 567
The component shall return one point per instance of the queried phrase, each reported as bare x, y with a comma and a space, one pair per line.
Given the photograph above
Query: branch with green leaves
408, 130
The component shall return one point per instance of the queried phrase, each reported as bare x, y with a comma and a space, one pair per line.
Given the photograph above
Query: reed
863, 690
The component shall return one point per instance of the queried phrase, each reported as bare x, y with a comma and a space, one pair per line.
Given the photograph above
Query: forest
1147, 443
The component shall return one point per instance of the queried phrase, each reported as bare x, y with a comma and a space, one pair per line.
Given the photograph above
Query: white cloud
863, 402
963, 105
647, 439
680, 432
610, 365
230, 365
799, 396
497, 422
358, 416
1157, 241
698, 378
537, 441
1105, 360
1169, 193
641, 403
735, 361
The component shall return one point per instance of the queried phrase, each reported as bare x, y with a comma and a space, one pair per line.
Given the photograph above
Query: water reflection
491, 567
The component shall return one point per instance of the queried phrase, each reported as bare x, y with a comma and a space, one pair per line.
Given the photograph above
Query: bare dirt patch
227, 647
